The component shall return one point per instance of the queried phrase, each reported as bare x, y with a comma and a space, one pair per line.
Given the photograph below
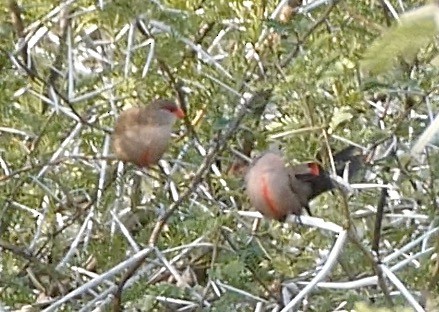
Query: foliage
74, 220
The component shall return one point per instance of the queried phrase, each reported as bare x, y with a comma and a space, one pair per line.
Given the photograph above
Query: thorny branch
218, 147
9, 178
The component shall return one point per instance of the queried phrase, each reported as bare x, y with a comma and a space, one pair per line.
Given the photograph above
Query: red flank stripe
267, 196
144, 160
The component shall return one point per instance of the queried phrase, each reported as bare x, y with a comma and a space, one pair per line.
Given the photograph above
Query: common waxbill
276, 190
141, 134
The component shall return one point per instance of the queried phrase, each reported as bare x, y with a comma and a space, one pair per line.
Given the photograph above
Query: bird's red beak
179, 113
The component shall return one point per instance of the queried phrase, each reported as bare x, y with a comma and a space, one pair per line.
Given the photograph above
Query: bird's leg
298, 220
308, 210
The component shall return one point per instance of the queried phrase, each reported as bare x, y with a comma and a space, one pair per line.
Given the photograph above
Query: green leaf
340, 116
416, 29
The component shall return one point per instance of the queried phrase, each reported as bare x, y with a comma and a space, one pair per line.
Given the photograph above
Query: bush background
70, 213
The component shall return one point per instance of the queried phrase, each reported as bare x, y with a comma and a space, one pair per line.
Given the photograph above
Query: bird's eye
170, 107
314, 168
174, 109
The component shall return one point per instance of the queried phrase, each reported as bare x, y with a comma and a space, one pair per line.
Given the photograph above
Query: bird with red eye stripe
277, 190
141, 134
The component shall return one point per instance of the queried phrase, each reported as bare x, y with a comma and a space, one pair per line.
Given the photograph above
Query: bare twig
219, 145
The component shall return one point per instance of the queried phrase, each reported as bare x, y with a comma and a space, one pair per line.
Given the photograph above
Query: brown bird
276, 190
141, 134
